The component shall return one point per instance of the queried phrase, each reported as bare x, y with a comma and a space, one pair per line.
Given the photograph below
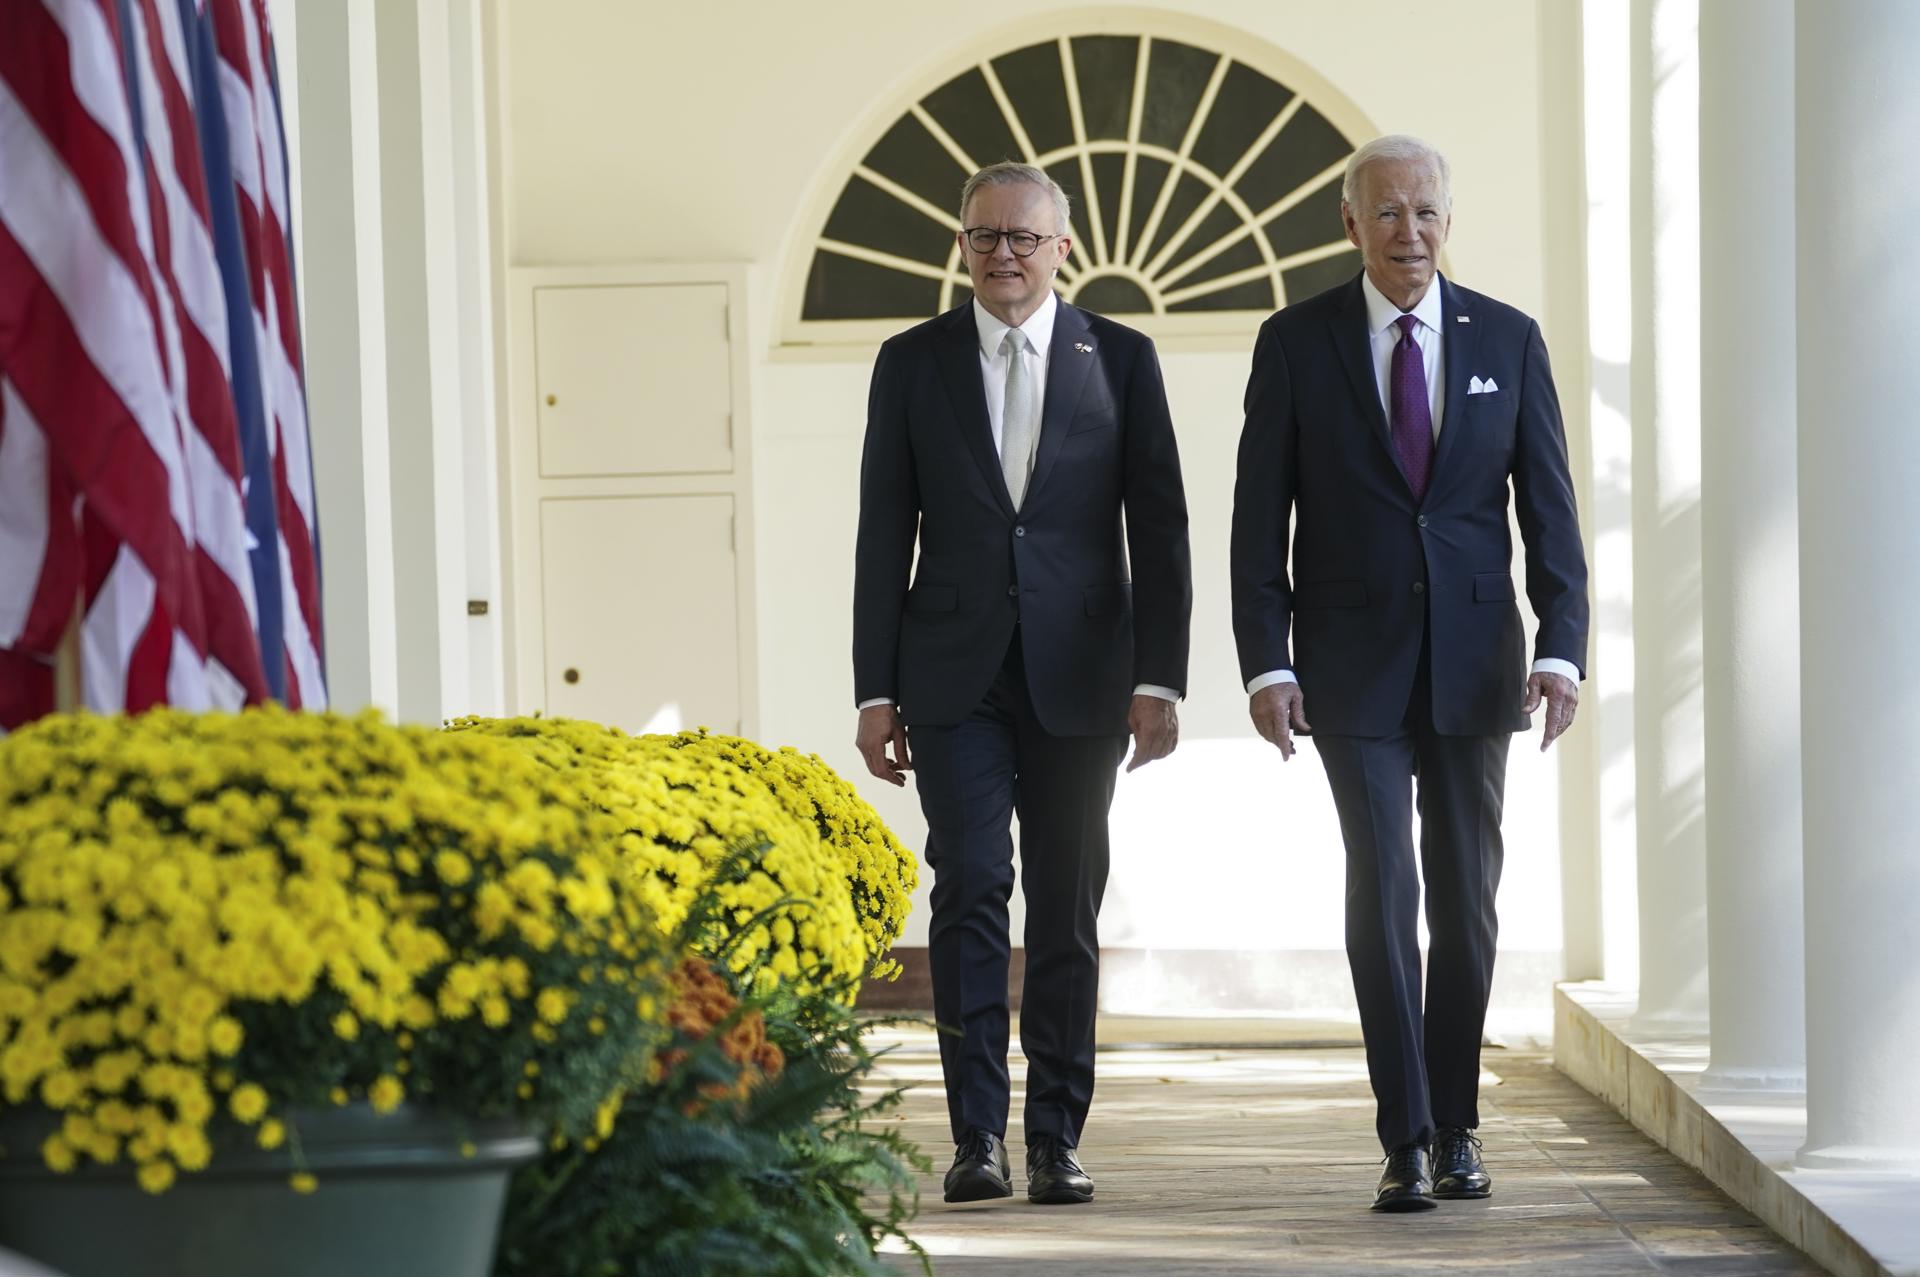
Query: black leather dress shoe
1054, 1174
979, 1169
1457, 1169
1407, 1183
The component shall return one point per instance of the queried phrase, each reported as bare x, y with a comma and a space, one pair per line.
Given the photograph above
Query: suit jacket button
1019, 532
1013, 591
1419, 587
1421, 520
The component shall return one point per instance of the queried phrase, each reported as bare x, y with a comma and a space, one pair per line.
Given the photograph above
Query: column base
1857, 1223
1736, 1081
1678, 1027
1859, 1159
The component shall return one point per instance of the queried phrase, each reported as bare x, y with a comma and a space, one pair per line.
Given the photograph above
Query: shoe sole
978, 1192
1061, 1197
1402, 1205
1464, 1195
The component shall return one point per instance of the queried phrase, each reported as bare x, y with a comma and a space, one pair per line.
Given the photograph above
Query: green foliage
798, 1180
713, 1170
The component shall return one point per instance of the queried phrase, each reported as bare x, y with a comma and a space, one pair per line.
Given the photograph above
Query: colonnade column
1669, 747
1749, 550
387, 137
1858, 303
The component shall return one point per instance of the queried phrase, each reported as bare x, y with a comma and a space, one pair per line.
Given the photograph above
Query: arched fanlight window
1201, 186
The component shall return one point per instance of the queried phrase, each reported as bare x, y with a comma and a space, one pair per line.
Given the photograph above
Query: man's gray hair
1395, 146
1008, 173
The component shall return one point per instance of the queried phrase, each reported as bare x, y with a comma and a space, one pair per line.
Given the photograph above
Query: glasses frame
968, 232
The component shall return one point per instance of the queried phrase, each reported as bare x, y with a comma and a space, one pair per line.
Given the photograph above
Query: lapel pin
1083, 348
1462, 319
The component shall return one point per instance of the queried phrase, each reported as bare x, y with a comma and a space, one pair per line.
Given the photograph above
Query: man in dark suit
1009, 436
1390, 417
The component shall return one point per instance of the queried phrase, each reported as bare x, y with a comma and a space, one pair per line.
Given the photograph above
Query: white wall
704, 132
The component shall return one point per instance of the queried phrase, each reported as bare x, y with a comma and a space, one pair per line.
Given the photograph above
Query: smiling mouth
1411, 261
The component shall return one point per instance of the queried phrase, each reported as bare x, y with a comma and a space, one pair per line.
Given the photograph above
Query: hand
1155, 724
1279, 710
1563, 698
880, 725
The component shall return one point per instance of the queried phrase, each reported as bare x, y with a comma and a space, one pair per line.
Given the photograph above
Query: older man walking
1390, 418
1008, 437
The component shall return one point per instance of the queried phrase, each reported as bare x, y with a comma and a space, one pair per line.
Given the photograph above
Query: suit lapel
1067, 371
959, 349
1460, 337
1354, 342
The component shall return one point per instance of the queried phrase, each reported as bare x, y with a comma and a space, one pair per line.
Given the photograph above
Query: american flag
155, 473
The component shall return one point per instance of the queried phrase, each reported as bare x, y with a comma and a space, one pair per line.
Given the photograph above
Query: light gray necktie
1020, 418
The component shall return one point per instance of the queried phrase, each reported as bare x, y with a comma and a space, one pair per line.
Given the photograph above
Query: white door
633, 380
640, 621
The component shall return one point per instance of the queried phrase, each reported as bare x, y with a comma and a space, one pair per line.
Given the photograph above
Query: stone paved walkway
1212, 1162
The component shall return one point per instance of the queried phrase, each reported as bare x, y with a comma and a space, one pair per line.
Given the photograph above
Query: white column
1858, 107
423, 375
1669, 745
1609, 913
479, 419
1750, 554
334, 142
391, 187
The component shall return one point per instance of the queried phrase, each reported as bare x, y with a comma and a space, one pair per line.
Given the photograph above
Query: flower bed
211, 923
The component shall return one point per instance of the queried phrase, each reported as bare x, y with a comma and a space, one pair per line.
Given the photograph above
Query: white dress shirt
993, 365
993, 375
1383, 334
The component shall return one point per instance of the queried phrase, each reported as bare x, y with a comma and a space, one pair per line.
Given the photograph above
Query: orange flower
701, 1003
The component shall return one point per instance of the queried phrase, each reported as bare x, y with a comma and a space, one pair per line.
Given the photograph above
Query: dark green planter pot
396, 1199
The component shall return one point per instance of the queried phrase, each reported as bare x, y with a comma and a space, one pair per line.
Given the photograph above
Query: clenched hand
880, 726
1563, 698
1278, 710
1155, 724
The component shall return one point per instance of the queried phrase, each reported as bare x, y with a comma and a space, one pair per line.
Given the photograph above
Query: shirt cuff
1154, 689
1554, 665
1269, 679
882, 700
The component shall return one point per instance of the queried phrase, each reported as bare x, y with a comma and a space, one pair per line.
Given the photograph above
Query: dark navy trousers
972, 778
1423, 1056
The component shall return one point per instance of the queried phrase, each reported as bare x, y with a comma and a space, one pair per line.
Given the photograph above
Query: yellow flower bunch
208, 922
682, 818
880, 871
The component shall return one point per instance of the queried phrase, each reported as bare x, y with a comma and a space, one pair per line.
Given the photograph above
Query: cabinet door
633, 379
641, 627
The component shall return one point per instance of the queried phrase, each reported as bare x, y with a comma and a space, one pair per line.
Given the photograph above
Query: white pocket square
1475, 386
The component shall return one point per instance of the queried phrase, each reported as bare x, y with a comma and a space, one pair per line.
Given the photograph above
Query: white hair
1395, 146
1008, 173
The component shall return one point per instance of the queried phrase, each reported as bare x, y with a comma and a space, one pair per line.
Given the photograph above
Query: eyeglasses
984, 239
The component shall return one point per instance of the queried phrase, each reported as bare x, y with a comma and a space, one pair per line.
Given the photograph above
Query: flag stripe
243, 42
155, 462
112, 403
39, 537
211, 447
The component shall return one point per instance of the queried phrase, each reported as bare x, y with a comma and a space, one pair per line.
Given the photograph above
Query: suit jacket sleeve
1549, 523
889, 523
1262, 504
1156, 509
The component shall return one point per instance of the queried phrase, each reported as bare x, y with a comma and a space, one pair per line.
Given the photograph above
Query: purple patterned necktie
1412, 413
